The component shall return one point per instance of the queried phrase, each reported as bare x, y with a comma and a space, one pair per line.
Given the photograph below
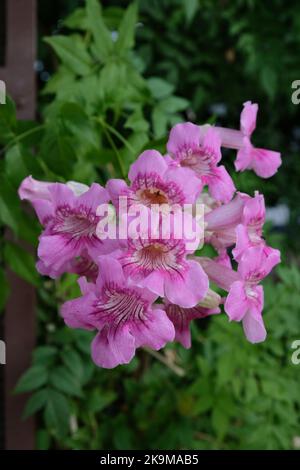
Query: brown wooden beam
19, 321
20, 54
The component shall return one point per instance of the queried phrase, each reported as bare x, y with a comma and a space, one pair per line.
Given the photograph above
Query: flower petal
254, 210
92, 198
150, 161
221, 275
55, 250
183, 136
116, 188
212, 142
256, 262
154, 282
32, 189
220, 185
43, 209
180, 176
111, 348
236, 304
254, 329
188, 290
242, 242
61, 195
155, 331
243, 159
110, 272
253, 323
248, 118
265, 163
76, 312
227, 215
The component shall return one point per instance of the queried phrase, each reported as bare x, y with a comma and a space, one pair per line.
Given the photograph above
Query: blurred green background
112, 83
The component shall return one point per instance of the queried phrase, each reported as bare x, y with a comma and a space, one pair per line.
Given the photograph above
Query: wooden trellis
19, 321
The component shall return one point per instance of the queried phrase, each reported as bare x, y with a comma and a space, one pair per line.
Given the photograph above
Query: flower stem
22, 136
160, 357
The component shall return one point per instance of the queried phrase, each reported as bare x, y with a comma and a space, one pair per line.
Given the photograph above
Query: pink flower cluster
145, 291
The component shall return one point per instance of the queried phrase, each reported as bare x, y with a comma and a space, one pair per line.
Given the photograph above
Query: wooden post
19, 322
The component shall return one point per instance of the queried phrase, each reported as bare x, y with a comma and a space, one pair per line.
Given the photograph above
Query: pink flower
181, 318
264, 163
70, 223
249, 232
223, 258
245, 299
122, 313
220, 274
83, 266
153, 181
202, 155
32, 189
160, 264
221, 222
243, 242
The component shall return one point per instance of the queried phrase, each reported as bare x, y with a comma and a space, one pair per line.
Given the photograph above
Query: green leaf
32, 379
220, 421
137, 122
4, 289
62, 80
57, 413
159, 122
44, 355
77, 19
9, 211
8, 121
225, 369
77, 121
127, 29
83, 340
190, 8
99, 400
63, 380
43, 439
113, 80
136, 141
15, 165
35, 403
21, 262
173, 104
74, 363
72, 52
160, 88
269, 81
102, 36
12, 215
58, 152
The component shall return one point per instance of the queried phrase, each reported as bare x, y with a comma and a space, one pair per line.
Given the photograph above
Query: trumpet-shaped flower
122, 313
153, 181
264, 163
202, 155
161, 265
70, 223
245, 299
182, 317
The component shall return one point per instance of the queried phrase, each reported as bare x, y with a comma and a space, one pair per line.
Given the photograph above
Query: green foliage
233, 395
95, 120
